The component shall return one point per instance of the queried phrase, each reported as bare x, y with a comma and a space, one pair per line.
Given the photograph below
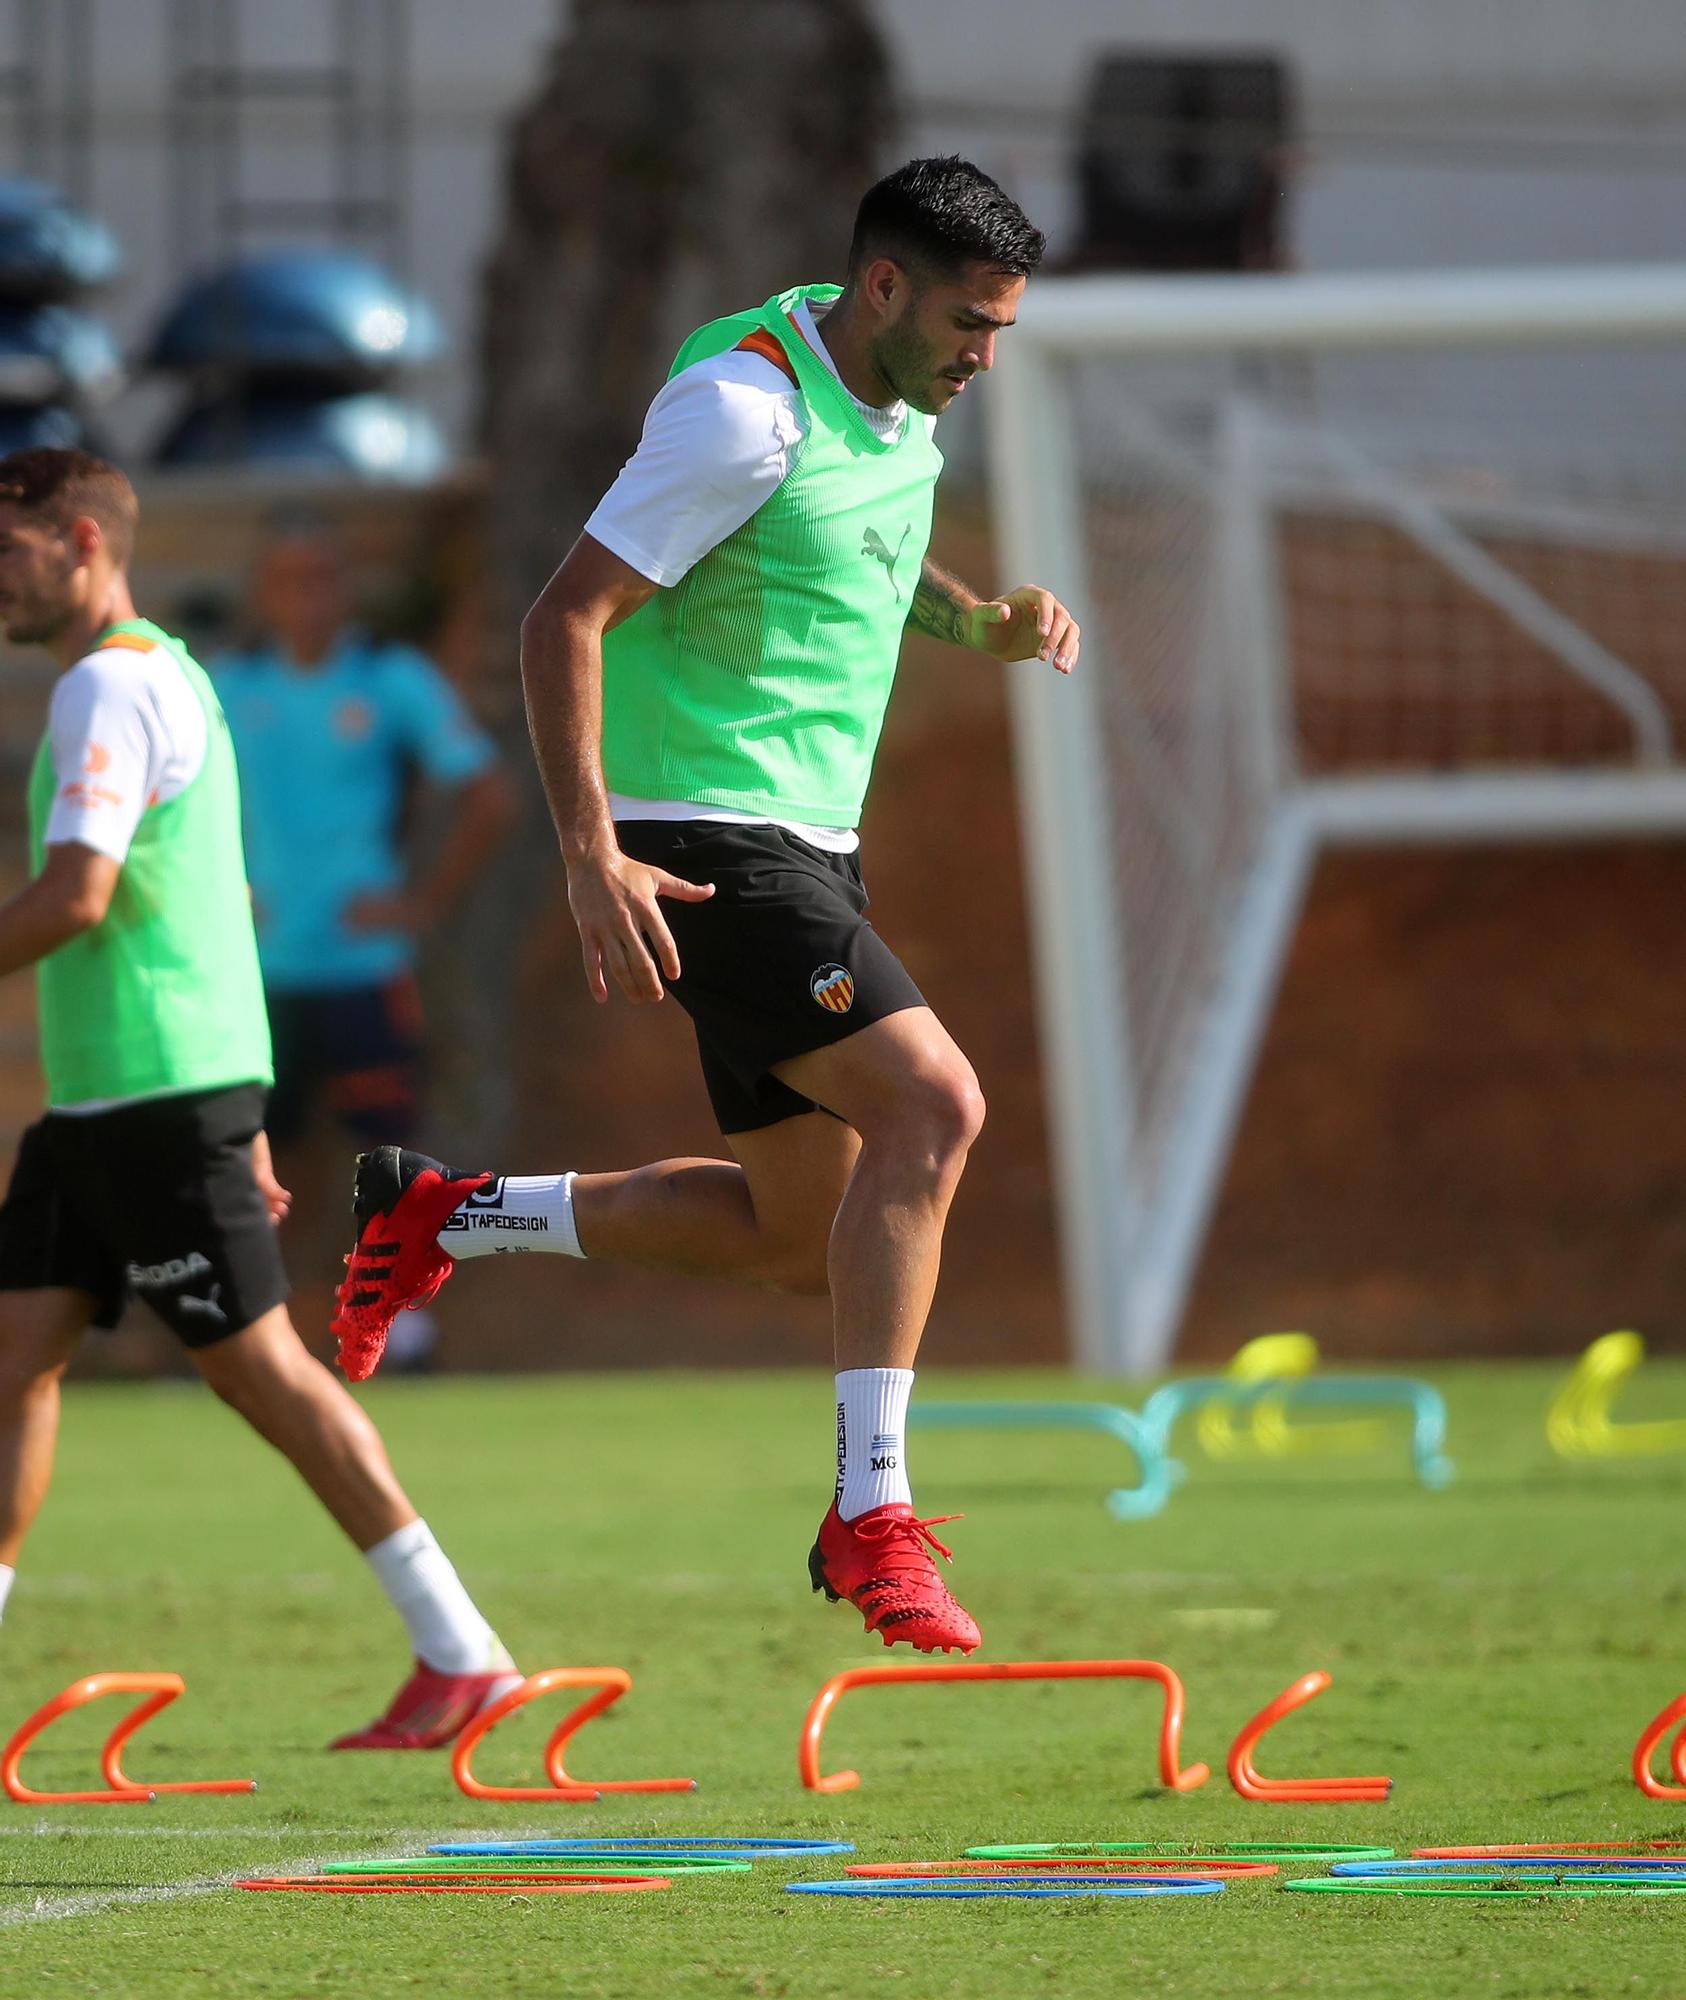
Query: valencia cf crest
833, 988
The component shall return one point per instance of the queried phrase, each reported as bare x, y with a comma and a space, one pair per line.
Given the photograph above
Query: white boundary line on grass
46, 1910
45, 1826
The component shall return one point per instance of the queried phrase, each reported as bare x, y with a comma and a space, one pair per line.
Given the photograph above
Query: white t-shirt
717, 444
126, 731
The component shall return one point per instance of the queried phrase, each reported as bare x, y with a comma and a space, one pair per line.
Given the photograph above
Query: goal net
1372, 558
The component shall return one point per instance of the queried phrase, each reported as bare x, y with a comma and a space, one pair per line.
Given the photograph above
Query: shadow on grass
66, 1887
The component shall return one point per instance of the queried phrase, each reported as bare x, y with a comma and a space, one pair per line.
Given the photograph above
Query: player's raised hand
623, 934
1027, 624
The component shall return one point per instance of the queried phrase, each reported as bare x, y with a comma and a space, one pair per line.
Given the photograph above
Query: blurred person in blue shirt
333, 729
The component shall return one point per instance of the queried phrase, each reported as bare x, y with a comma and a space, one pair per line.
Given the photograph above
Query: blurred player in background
333, 727
150, 1173
706, 676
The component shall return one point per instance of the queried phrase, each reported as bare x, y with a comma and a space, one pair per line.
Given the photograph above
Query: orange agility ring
1655, 1730
611, 1683
1170, 1727
162, 1690
1305, 1791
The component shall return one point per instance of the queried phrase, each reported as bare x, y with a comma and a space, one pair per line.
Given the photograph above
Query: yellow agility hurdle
1260, 1424
1578, 1423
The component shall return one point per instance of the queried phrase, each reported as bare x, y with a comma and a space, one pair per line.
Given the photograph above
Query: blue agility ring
1524, 1865
949, 1888
724, 1845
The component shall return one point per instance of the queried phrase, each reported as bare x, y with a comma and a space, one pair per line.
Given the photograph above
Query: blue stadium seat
288, 315
49, 250
48, 352
367, 436
47, 423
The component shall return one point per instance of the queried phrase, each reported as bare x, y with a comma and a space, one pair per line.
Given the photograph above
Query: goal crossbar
1111, 315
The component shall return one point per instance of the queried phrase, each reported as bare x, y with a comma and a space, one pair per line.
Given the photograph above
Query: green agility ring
1492, 1886
1187, 1850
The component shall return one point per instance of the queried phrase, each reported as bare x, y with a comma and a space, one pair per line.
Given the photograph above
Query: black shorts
359, 1047
779, 961
157, 1198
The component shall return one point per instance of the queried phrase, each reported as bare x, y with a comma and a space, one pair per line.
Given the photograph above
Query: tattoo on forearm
942, 605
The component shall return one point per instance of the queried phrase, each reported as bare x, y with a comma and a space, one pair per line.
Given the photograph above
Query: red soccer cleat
401, 1201
879, 1561
431, 1710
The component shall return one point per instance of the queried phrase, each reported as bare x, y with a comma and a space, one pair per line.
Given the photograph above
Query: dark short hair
941, 214
62, 485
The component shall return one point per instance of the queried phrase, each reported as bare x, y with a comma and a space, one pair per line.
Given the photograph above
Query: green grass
1496, 1648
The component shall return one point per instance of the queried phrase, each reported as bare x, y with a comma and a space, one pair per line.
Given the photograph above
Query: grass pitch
1496, 1648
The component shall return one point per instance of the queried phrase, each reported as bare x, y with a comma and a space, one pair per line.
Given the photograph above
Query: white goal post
1378, 558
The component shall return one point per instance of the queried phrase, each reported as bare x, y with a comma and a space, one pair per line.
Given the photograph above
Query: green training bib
760, 680
163, 993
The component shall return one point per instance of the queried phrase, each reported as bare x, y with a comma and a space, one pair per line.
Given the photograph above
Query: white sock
7, 1578
871, 1436
447, 1632
514, 1212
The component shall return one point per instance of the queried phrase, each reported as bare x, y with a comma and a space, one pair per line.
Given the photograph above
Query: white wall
1001, 50
1435, 131
1439, 131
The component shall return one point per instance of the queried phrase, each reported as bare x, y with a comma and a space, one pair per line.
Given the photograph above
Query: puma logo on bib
873, 544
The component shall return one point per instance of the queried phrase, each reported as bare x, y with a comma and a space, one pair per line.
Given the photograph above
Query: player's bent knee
263, 1364
970, 1110
940, 1114
239, 1390
280, 1404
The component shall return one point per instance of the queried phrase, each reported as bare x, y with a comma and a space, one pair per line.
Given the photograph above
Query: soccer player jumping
706, 676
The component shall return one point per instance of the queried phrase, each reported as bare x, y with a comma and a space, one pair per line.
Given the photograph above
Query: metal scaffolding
46, 91
353, 102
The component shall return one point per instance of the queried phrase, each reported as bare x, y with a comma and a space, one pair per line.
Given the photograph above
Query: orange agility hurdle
162, 1690
1655, 1730
611, 1683
1170, 1727
1308, 1791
